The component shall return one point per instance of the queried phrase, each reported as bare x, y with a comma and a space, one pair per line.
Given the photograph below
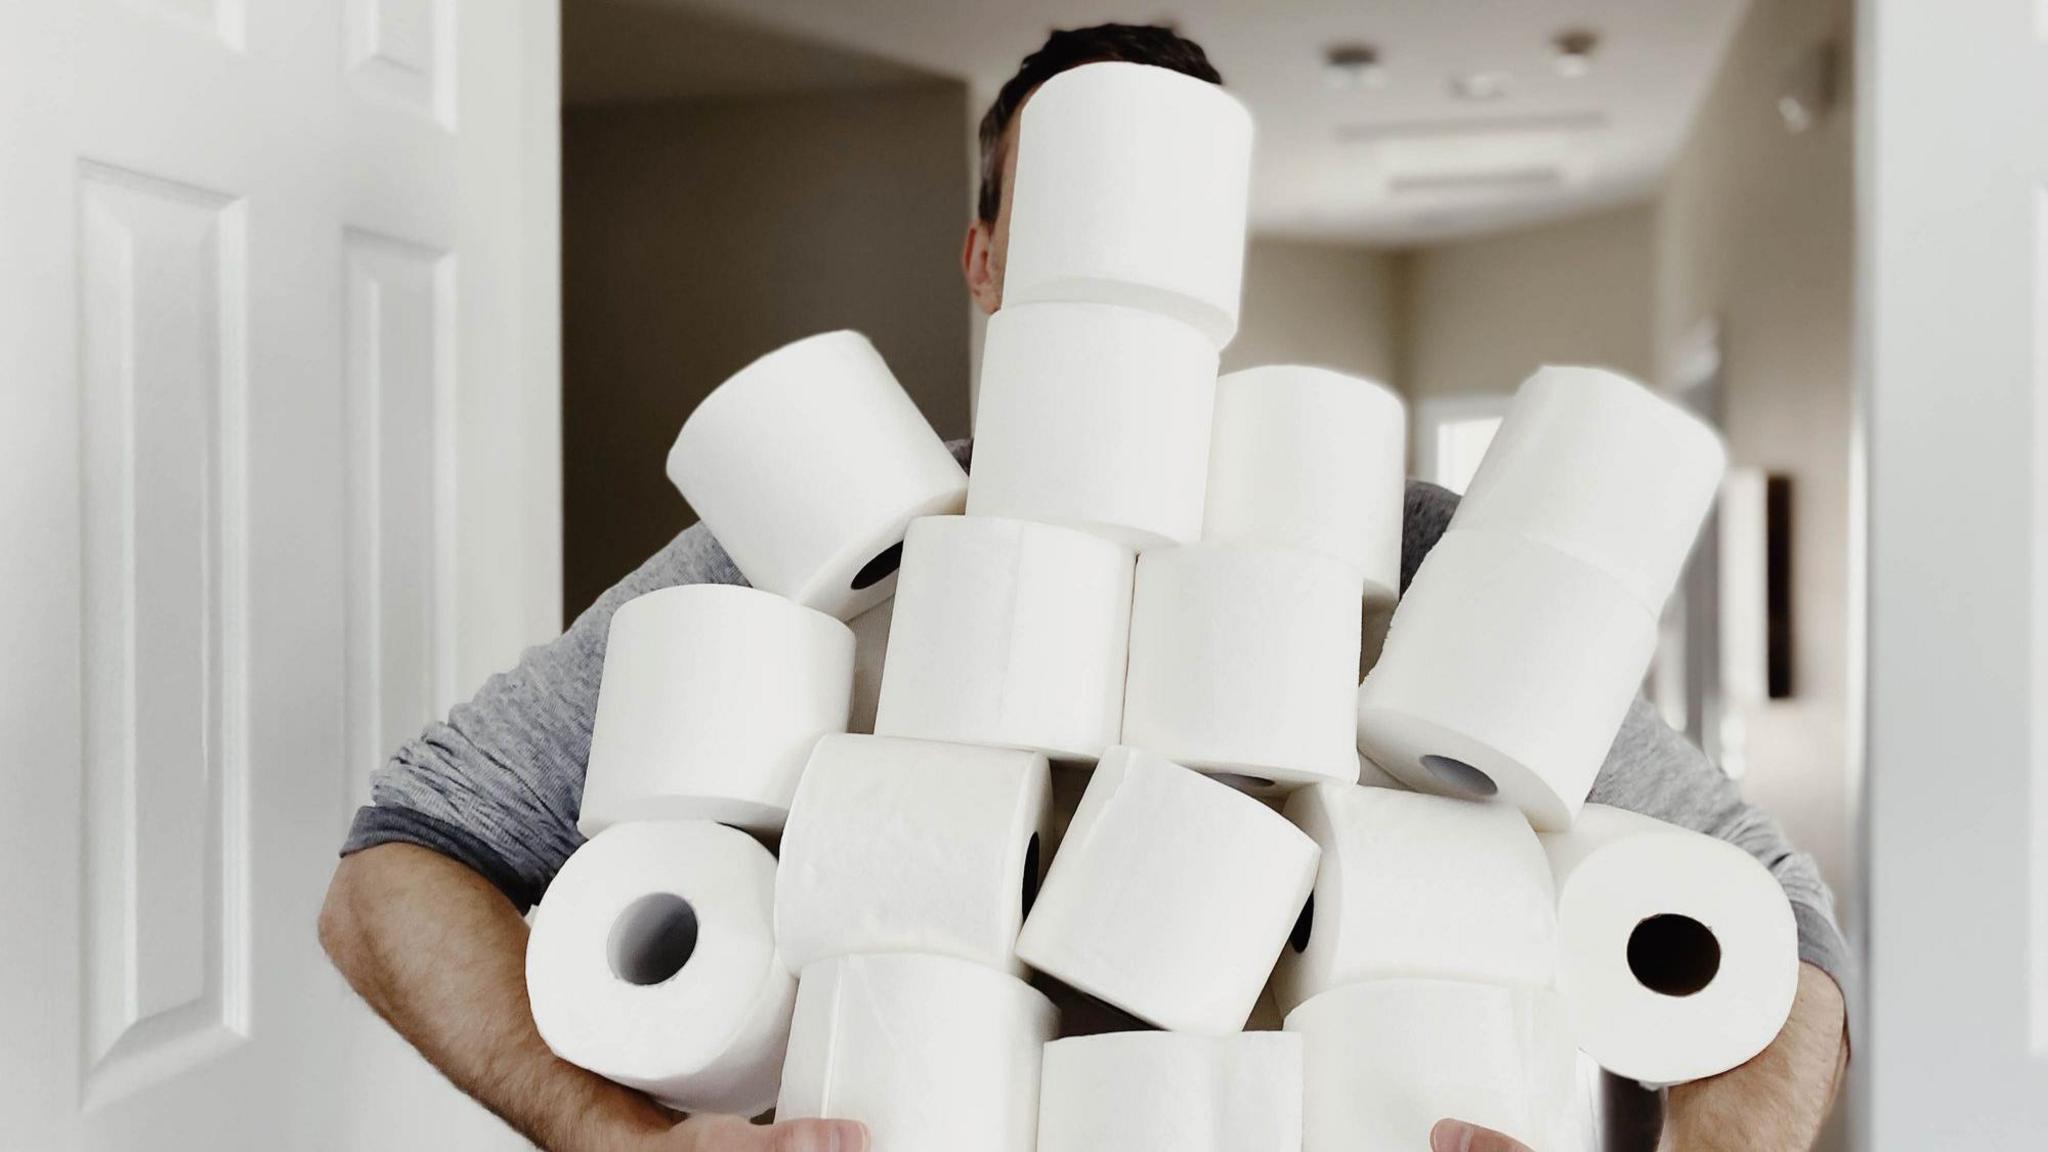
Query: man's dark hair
1151, 44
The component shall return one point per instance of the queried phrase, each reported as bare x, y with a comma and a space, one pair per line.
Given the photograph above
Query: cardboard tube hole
1031, 874
1303, 925
1460, 776
653, 938
1673, 955
874, 571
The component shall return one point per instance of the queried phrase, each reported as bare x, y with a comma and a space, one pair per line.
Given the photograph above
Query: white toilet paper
1414, 885
807, 465
1599, 467
1371, 775
712, 697
652, 962
1507, 671
1170, 896
1009, 634
1170, 1092
1313, 459
912, 846
1131, 188
1678, 953
932, 1054
1097, 417
1384, 1061
1242, 661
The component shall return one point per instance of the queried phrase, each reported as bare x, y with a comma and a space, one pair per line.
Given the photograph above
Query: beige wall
1482, 314
692, 243
1320, 304
1754, 229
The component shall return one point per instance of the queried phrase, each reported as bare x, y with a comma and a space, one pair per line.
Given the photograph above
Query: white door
278, 455
1954, 320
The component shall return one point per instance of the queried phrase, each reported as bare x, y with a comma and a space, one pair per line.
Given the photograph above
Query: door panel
401, 399
161, 306
253, 540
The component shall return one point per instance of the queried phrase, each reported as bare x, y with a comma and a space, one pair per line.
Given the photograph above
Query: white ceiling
1398, 163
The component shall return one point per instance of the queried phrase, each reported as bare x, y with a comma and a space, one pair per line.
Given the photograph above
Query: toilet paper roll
1242, 661
1008, 634
712, 697
1599, 467
1131, 188
1313, 459
1371, 775
932, 1054
808, 464
1414, 885
1170, 896
1384, 1061
1678, 953
1507, 671
912, 846
1169, 1092
1096, 417
652, 962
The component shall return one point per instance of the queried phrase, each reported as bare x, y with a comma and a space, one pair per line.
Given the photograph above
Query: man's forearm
1778, 1101
440, 954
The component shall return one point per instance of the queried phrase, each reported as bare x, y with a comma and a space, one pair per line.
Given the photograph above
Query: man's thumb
814, 1136
1458, 1136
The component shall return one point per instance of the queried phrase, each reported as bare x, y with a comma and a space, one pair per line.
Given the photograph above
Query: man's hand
1458, 1136
441, 954
734, 1134
1778, 1101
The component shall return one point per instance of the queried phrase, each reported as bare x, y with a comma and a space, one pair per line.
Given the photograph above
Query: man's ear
978, 266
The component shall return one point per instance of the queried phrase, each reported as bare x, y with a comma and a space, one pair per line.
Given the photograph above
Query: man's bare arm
441, 955
1778, 1101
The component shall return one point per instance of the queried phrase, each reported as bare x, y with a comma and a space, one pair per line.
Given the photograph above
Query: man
471, 820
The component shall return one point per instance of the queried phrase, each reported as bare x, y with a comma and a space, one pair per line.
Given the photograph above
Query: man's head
988, 237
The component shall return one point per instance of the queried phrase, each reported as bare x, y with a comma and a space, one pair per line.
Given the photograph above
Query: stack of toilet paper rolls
1134, 587
1451, 962
1507, 672
1012, 627
1514, 656
1157, 576
907, 868
1420, 977
654, 957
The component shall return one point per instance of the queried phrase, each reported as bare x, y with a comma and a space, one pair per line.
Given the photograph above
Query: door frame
1950, 740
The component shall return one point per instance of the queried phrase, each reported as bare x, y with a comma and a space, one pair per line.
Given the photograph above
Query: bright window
1459, 446
1451, 436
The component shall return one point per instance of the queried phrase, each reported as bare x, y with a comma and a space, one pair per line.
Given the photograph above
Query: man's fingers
704, 1133
814, 1136
803, 1136
1458, 1136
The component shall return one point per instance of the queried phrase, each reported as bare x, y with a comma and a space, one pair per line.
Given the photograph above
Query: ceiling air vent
1499, 180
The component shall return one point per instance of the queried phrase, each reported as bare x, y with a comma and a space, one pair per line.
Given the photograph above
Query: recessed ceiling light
1574, 48
1353, 66
1480, 86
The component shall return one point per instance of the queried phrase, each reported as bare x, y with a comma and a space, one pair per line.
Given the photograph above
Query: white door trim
1952, 117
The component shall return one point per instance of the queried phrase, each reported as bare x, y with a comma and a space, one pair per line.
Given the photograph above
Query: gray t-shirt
497, 786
